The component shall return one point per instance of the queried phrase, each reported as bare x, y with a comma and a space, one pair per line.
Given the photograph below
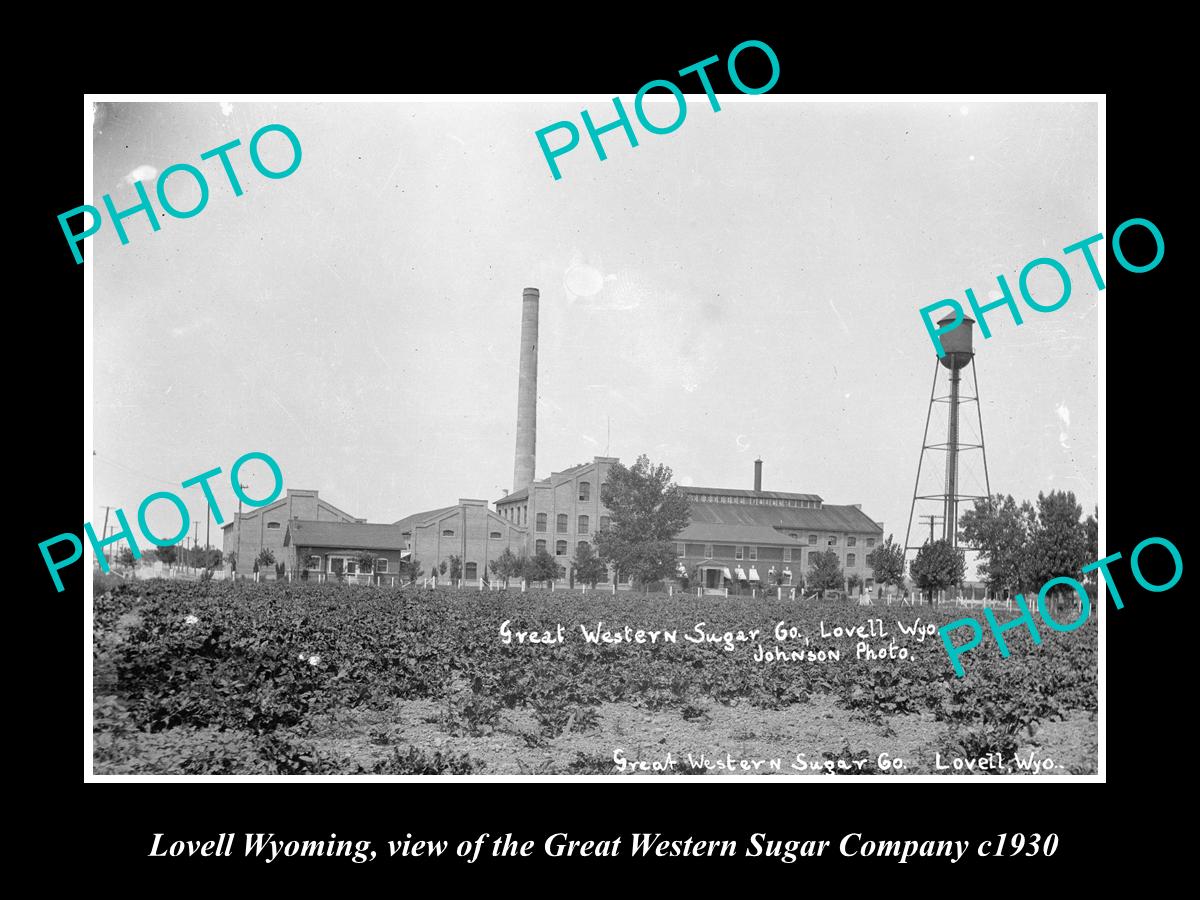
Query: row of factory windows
562, 522
750, 552
518, 515
343, 565
560, 547
754, 501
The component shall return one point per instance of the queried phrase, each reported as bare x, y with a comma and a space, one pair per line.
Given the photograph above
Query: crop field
219, 678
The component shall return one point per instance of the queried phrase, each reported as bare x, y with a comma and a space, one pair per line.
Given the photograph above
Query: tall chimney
523, 465
758, 474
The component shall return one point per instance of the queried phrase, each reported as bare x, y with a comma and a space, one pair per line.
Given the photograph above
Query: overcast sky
746, 286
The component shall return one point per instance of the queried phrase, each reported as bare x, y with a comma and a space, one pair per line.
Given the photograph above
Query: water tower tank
957, 343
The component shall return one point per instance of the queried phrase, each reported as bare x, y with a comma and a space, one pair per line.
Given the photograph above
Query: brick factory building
736, 537
267, 526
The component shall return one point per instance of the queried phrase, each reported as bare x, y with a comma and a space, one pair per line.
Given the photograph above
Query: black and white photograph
717, 433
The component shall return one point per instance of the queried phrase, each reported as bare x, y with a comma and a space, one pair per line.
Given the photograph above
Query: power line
113, 462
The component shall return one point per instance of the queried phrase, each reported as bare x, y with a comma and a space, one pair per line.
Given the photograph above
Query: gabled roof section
409, 522
344, 535
709, 533
738, 492
827, 518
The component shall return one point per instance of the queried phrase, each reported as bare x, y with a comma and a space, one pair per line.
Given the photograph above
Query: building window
605, 522
541, 521
737, 552
313, 563
339, 565
272, 526
851, 541
681, 550
496, 534
562, 523
708, 551
833, 540
851, 560
753, 553
448, 532
870, 542
787, 554
381, 564
793, 536
581, 545
585, 491
539, 546
583, 524
812, 540
524, 515
560, 548
471, 570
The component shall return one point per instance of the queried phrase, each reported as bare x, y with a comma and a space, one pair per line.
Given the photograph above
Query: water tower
959, 355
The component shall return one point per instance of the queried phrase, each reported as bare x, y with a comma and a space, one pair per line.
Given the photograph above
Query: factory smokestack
758, 474
523, 466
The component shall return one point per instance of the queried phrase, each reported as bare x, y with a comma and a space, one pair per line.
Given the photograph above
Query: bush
421, 762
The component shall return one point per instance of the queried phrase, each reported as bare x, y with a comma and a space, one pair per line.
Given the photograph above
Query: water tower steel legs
987, 482
921, 458
949, 497
950, 516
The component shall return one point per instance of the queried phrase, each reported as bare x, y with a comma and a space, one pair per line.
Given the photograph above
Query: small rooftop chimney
758, 474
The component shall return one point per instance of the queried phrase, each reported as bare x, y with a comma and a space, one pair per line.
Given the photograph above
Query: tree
1092, 529
853, 581
887, 562
231, 558
937, 566
455, 567
1001, 532
167, 555
266, 557
1059, 544
542, 567
126, 559
507, 565
589, 568
366, 562
824, 571
441, 567
647, 511
410, 569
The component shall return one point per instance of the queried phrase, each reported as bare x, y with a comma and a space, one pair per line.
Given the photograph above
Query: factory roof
762, 495
359, 535
711, 533
556, 476
827, 518
420, 518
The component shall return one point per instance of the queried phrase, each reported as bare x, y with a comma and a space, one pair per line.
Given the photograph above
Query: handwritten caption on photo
732, 639
267, 848
126, 533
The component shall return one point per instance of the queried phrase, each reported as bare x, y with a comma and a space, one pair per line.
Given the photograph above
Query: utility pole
931, 519
107, 560
195, 533
238, 551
